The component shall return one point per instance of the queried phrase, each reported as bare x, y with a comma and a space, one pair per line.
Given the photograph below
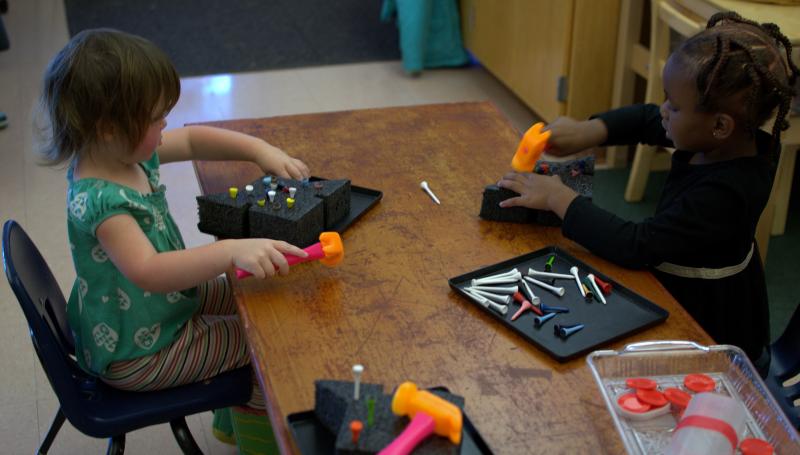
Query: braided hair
734, 56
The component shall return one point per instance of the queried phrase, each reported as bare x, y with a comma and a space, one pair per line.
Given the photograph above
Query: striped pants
212, 342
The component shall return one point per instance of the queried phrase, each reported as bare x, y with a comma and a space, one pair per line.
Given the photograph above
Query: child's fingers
512, 202
288, 248
514, 184
255, 269
268, 265
277, 259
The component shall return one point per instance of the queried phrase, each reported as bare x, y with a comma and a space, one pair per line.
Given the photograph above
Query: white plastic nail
532, 272
357, 370
505, 279
533, 298
502, 309
574, 271
559, 291
596, 288
271, 195
292, 191
424, 186
502, 299
249, 188
498, 289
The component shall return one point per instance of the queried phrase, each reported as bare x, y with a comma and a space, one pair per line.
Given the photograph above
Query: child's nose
663, 110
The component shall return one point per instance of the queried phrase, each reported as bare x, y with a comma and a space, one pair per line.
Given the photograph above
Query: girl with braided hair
721, 86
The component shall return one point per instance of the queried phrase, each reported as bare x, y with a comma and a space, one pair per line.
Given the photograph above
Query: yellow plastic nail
261, 202
289, 202
233, 191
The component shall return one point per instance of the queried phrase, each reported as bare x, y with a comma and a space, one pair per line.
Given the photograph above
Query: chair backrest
44, 307
785, 365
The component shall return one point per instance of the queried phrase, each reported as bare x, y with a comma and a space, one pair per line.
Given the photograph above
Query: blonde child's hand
541, 192
568, 136
274, 160
262, 257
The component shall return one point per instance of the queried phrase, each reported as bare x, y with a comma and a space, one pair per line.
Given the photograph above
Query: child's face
152, 139
688, 128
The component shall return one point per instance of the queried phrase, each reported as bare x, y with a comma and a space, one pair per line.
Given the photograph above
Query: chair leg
58, 420
184, 437
116, 445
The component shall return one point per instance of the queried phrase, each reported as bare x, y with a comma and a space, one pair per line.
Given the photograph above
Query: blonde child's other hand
263, 257
568, 136
275, 161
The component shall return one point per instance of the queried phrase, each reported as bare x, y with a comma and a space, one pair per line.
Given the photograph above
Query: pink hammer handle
421, 426
314, 253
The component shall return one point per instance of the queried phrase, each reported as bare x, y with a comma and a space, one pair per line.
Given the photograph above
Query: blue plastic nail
539, 320
553, 309
564, 331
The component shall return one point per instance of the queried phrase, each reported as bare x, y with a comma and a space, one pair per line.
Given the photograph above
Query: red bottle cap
629, 402
641, 383
652, 397
755, 446
699, 383
677, 397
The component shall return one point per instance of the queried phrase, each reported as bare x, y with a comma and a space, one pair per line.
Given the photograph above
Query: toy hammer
530, 148
329, 250
430, 414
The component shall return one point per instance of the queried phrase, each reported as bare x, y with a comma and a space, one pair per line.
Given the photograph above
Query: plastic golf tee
559, 291
525, 305
597, 292
532, 272
574, 271
329, 250
424, 186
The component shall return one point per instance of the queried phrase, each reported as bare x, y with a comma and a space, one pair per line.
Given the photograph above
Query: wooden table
388, 305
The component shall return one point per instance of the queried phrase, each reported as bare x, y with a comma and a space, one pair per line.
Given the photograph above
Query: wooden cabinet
556, 55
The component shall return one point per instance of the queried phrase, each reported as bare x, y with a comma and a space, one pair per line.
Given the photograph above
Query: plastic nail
532, 272
559, 291
553, 309
574, 271
538, 321
565, 331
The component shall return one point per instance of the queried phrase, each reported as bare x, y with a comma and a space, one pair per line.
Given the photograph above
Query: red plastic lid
677, 397
652, 397
641, 383
699, 383
755, 446
629, 402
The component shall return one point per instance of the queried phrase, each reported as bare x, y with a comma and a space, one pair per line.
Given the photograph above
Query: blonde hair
104, 78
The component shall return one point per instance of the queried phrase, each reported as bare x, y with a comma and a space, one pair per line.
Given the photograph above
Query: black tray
312, 438
361, 200
625, 312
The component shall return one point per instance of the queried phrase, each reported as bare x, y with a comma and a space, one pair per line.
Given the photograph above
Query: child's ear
724, 125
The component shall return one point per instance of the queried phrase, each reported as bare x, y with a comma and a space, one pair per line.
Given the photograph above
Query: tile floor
34, 196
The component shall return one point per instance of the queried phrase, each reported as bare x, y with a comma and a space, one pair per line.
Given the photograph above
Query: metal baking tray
624, 314
667, 362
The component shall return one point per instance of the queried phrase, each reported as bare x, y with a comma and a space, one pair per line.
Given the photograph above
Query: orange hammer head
409, 400
333, 248
530, 148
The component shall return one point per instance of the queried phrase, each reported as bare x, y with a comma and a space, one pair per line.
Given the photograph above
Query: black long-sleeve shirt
706, 218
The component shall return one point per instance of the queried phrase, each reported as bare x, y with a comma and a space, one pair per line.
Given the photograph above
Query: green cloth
430, 32
111, 318
253, 430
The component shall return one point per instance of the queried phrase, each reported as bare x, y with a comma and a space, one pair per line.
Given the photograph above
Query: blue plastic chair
90, 405
785, 365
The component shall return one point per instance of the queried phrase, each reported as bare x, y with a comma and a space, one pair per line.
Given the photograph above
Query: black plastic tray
312, 438
625, 312
361, 200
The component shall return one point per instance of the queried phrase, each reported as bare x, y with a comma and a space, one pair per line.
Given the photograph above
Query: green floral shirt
111, 318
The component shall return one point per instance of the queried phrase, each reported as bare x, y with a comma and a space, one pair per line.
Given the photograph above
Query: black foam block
314, 211
576, 174
223, 216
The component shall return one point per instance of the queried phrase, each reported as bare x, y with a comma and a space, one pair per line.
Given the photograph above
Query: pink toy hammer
329, 250
429, 413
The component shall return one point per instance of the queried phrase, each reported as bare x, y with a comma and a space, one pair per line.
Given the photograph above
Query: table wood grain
388, 305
